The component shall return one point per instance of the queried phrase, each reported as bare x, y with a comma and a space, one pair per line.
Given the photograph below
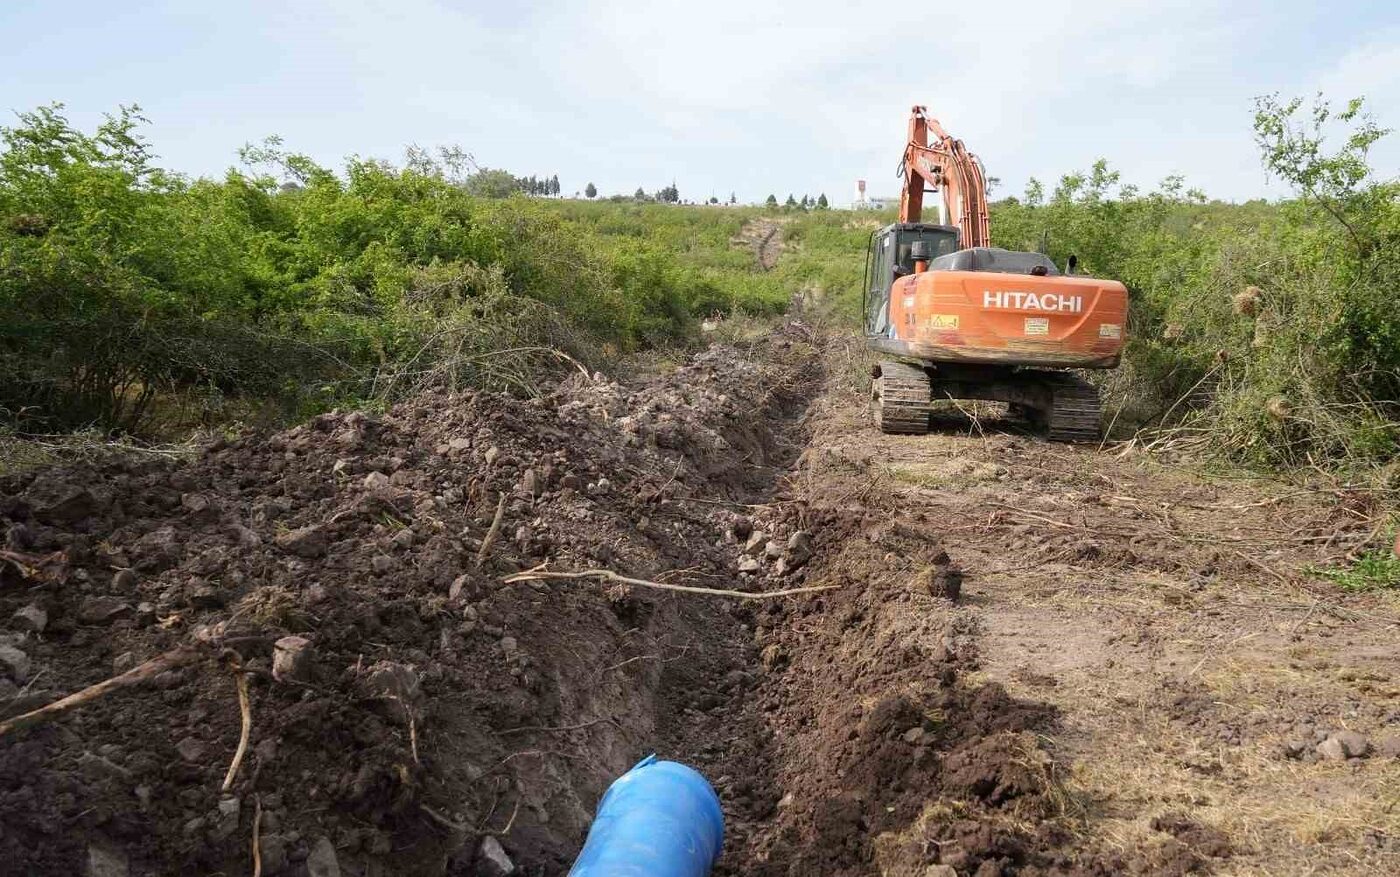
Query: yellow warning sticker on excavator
943, 321
1037, 325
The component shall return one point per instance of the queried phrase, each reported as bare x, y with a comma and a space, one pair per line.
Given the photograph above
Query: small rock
145, 613
293, 659
1294, 749
309, 542
491, 859
772, 550
246, 537
491, 454
190, 749
913, 735
800, 542
1353, 744
741, 528
458, 584
750, 564
106, 861
322, 861
403, 538
509, 646
229, 807
756, 541
124, 662
31, 618
530, 483
1332, 749
102, 610
14, 663
376, 481
940, 871
124, 579
381, 563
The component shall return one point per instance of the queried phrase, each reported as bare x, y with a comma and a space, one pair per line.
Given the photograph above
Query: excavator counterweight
961, 319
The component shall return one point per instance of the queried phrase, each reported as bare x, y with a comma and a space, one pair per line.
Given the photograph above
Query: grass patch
1374, 571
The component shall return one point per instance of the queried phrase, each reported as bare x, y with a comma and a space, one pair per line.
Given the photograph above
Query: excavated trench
414, 713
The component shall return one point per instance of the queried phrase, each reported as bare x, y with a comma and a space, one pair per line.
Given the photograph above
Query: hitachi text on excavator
961, 319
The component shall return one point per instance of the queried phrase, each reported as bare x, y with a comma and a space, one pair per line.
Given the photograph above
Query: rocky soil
972, 690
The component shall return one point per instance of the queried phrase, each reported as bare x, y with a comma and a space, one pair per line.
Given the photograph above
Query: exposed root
492, 532
135, 676
245, 711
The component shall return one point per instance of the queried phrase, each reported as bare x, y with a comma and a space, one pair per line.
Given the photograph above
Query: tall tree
640, 194
822, 203
590, 190
772, 201
554, 184
791, 201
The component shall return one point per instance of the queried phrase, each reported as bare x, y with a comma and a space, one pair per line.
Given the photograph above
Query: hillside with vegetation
137, 300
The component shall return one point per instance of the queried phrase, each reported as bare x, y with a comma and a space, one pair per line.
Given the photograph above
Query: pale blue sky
720, 95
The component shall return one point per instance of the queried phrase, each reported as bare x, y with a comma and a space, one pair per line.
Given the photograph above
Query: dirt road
1137, 675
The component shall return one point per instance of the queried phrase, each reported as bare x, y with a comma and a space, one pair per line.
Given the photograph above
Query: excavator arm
945, 165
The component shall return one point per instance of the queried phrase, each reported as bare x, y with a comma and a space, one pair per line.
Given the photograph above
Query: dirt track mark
765, 238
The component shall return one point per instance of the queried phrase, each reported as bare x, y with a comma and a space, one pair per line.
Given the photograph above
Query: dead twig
491, 532
245, 712
610, 576
135, 676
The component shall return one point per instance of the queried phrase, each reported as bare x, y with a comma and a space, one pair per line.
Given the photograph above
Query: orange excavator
961, 319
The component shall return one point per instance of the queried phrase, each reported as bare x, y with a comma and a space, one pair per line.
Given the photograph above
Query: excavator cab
890, 257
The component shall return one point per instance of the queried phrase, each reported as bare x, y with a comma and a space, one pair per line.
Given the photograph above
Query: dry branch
610, 576
135, 676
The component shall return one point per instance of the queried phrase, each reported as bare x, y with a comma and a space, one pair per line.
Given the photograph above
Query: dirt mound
426, 705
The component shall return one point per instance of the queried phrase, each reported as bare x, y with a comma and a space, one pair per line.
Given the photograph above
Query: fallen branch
135, 676
245, 711
492, 532
610, 576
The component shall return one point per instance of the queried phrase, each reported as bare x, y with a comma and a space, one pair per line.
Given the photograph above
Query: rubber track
901, 399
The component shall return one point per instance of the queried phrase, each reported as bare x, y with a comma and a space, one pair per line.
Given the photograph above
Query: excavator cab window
889, 259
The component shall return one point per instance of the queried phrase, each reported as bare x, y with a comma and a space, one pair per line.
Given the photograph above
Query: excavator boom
944, 164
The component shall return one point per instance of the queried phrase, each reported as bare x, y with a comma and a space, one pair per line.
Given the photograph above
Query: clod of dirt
322, 861
1343, 745
14, 663
1202, 841
31, 618
939, 580
293, 659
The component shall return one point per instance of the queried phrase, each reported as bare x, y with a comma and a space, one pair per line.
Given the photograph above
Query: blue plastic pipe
660, 819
